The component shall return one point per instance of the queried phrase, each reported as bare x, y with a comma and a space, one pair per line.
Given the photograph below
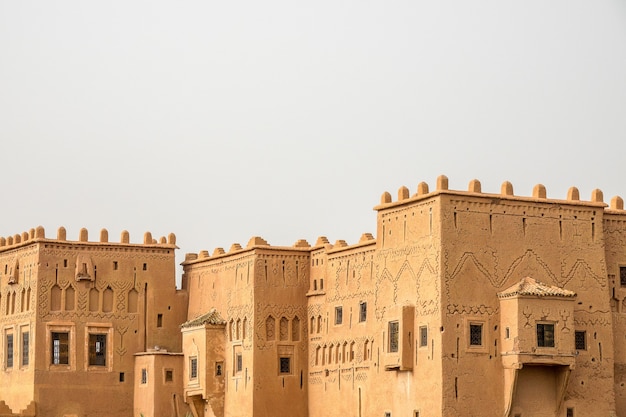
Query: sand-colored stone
466, 303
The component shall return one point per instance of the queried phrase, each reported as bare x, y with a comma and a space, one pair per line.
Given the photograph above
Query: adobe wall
85, 287
615, 249
226, 282
489, 243
162, 394
18, 295
396, 276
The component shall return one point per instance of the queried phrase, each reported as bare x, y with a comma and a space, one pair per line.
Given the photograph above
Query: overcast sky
221, 120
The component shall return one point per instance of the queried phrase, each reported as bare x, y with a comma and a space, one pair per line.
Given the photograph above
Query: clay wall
226, 282
615, 250
161, 394
18, 295
489, 243
353, 366
90, 293
281, 280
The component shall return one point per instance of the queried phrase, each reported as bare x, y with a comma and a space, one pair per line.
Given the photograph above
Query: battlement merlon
38, 235
506, 193
258, 243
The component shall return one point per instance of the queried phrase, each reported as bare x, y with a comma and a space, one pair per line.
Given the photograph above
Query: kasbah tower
465, 303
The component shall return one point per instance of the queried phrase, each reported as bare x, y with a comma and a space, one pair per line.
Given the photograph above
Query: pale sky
221, 120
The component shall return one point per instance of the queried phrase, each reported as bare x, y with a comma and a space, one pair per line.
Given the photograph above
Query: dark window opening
476, 334
238, 363
622, 276
121, 376
65, 263
545, 335
338, 315
114, 265
580, 340
97, 349
193, 368
219, 368
423, 336
25, 348
60, 348
285, 365
362, 312
159, 320
9, 351
144, 376
394, 330
169, 375
570, 412
145, 267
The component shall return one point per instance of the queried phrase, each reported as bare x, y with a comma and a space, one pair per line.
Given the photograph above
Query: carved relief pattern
278, 311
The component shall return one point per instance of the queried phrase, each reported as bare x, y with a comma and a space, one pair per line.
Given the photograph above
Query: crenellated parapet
539, 194
38, 234
322, 245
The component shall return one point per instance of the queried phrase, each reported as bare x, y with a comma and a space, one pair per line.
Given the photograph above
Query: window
169, 375
285, 365
60, 348
507, 333
144, 376
580, 340
622, 276
545, 335
25, 341
362, 312
238, 362
114, 265
159, 320
387, 414
218, 368
423, 336
9, 355
97, 350
193, 368
121, 376
394, 330
338, 315
570, 412
476, 334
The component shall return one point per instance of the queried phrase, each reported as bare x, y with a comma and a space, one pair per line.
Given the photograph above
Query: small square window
394, 333
570, 412
387, 414
285, 365
121, 376
423, 336
545, 335
144, 376
114, 265
159, 320
622, 276
145, 267
219, 368
476, 334
169, 375
338, 315
580, 340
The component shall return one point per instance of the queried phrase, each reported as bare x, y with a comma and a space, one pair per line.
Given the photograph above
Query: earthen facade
465, 303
